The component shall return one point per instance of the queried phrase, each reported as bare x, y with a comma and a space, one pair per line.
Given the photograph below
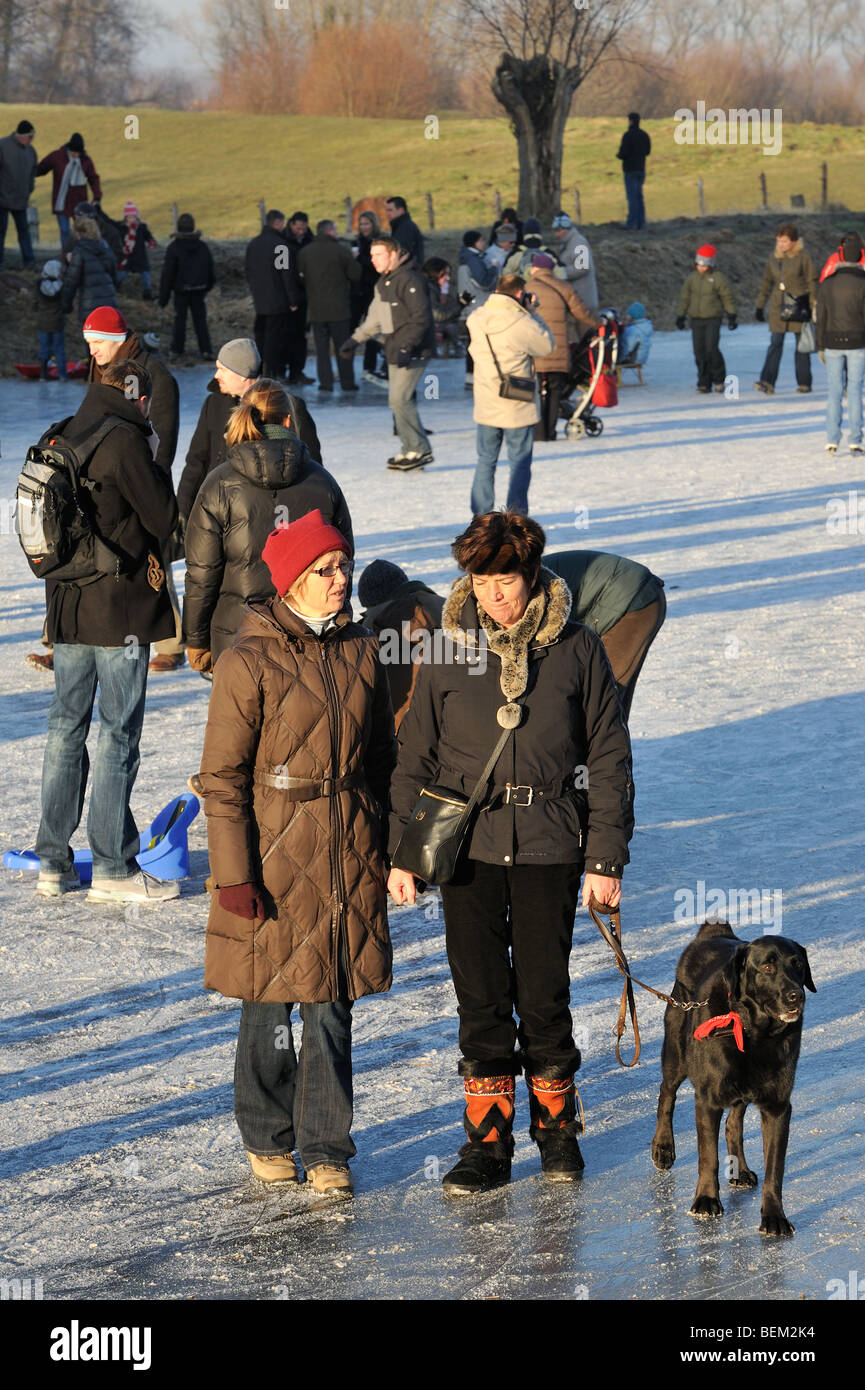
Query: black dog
747, 1054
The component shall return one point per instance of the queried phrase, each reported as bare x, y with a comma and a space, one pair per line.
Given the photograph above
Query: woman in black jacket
559, 799
92, 273
268, 478
362, 291
188, 274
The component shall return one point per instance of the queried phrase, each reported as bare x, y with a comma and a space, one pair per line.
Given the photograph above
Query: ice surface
123, 1171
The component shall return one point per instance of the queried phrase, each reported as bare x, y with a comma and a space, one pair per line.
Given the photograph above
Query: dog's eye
770, 969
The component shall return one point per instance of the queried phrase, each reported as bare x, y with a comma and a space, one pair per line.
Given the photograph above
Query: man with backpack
101, 623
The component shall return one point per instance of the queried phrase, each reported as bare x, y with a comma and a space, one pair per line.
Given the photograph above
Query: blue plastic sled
164, 851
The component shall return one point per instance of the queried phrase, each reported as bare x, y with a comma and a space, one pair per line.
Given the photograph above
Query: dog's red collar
722, 1021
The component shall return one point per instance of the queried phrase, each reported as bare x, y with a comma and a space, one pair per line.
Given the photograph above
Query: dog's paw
706, 1207
775, 1223
744, 1178
663, 1154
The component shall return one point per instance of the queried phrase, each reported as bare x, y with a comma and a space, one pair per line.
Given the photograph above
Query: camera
466, 298
528, 300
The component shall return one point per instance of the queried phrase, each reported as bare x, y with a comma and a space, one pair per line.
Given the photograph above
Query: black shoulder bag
513, 388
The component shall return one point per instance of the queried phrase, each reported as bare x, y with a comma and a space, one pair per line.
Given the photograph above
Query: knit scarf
73, 177
129, 239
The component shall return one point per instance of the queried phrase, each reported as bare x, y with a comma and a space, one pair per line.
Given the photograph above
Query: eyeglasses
345, 568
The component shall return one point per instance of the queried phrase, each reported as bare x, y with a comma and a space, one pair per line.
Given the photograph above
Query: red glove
243, 900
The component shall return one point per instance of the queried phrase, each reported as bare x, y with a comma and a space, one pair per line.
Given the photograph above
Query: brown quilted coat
285, 701
558, 304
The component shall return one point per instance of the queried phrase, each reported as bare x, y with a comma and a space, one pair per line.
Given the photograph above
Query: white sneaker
140, 888
375, 380
857, 448
831, 448
53, 884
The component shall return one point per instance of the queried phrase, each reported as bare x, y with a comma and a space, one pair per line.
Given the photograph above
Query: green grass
218, 164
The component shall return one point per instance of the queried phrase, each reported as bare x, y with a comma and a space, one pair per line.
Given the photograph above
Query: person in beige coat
298, 752
506, 336
568, 318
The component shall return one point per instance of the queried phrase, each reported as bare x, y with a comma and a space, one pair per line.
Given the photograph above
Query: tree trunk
537, 94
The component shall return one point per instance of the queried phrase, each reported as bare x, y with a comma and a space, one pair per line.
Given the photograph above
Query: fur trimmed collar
794, 250
545, 616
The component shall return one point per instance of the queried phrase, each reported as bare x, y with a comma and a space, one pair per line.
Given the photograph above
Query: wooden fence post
577, 207
430, 212
261, 210
174, 217
764, 197
347, 215
701, 197
824, 191
498, 205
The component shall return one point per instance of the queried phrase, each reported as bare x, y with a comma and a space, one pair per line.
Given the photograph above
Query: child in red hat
137, 238
705, 297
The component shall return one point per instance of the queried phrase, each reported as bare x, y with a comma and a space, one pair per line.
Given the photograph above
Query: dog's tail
710, 929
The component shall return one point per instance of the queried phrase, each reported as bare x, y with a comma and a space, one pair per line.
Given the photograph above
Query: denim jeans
146, 282
63, 224
835, 362
519, 446
53, 345
773, 360
401, 383
121, 675
19, 217
634, 193
283, 1101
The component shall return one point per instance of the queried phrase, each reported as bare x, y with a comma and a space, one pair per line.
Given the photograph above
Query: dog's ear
732, 972
808, 982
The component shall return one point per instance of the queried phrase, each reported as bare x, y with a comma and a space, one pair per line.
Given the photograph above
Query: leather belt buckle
327, 787
511, 794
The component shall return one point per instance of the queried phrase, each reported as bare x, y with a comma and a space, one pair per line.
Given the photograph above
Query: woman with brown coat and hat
298, 752
789, 272
560, 307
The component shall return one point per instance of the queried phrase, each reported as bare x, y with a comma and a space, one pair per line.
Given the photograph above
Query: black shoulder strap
495, 359
88, 446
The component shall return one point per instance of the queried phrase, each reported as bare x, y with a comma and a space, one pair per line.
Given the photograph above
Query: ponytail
264, 403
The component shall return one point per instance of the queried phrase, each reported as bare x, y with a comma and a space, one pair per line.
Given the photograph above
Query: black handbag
436, 832
795, 308
513, 388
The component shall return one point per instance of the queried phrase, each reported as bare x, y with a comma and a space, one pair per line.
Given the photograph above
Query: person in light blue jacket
637, 333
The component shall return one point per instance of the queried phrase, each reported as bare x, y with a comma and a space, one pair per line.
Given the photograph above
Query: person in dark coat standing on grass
841, 341
71, 169
238, 366
634, 149
188, 274
267, 478
271, 273
92, 272
706, 296
101, 628
403, 230
328, 271
789, 267
17, 176
403, 613
559, 801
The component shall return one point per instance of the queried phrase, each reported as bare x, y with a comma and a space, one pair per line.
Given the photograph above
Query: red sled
605, 394
33, 370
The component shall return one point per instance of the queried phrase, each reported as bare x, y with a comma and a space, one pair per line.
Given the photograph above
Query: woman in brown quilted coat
298, 752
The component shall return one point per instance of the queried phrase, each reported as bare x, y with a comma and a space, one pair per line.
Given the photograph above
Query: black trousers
508, 932
271, 333
324, 334
195, 304
552, 385
711, 367
296, 341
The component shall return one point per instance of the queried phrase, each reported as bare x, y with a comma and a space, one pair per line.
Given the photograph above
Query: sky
169, 42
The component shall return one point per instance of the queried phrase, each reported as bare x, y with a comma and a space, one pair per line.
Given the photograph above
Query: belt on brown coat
308, 788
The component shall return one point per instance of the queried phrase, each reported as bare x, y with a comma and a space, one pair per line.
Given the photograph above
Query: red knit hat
289, 550
106, 322
706, 255
129, 207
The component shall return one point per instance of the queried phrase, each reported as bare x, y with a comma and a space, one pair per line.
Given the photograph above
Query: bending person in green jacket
705, 297
620, 600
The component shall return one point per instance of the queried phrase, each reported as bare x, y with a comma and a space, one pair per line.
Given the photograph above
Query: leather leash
613, 937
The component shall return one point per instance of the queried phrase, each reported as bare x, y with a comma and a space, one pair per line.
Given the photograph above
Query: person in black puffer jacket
188, 274
92, 273
268, 477
841, 341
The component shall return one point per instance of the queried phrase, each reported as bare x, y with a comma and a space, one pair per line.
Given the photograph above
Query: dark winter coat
634, 150
285, 701
475, 276
400, 625
187, 268
55, 164
134, 511
328, 270
261, 482
706, 295
164, 403
571, 720
108, 231
363, 289
401, 310
273, 288
409, 236
841, 309
558, 303
92, 275
296, 245
138, 259
797, 272
17, 173
49, 312
603, 587
208, 448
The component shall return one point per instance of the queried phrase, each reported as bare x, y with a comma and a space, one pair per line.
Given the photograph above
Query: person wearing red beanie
295, 770
705, 297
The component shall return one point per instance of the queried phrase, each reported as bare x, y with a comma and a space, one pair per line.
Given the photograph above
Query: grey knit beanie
241, 356
379, 582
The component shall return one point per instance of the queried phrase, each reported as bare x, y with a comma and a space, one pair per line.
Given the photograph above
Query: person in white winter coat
505, 336
577, 260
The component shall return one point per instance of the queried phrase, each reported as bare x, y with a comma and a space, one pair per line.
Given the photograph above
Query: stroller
592, 376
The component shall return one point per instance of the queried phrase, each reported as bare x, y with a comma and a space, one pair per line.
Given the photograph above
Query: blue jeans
284, 1102
636, 208
63, 224
146, 282
801, 360
53, 345
401, 383
121, 674
19, 217
519, 446
835, 362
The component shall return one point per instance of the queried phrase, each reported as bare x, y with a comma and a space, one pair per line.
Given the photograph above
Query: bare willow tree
547, 48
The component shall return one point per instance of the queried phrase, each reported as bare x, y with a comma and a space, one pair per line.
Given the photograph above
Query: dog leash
613, 937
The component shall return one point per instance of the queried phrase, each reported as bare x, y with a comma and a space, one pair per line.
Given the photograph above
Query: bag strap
480, 786
498, 368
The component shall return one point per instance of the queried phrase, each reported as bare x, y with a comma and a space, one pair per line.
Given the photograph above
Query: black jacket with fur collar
572, 746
